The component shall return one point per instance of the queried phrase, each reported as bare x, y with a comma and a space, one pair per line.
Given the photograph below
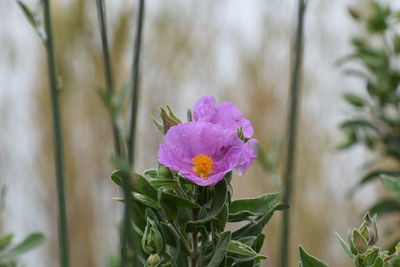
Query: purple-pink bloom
203, 152
225, 114
249, 154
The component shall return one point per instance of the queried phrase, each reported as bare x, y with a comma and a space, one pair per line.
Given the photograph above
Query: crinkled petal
205, 110
225, 114
187, 140
249, 154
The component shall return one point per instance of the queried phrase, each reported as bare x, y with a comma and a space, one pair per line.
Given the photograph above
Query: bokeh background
234, 50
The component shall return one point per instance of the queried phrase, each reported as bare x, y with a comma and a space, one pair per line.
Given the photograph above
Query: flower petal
249, 154
225, 114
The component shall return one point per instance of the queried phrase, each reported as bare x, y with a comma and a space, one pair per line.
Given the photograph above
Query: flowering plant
181, 209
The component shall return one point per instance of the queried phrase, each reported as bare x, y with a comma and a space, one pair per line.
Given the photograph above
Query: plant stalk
135, 82
108, 71
128, 236
295, 88
195, 213
58, 147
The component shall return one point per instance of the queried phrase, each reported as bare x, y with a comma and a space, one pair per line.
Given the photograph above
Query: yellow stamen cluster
202, 165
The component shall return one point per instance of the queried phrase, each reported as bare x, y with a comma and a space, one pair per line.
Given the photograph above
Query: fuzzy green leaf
242, 252
385, 206
392, 183
147, 201
354, 100
242, 208
220, 249
309, 261
5, 241
344, 246
175, 199
28, 243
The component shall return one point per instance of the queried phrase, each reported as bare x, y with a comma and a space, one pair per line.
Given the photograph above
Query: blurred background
235, 50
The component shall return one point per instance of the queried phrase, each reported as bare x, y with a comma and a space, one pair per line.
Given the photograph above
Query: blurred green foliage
9, 252
375, 120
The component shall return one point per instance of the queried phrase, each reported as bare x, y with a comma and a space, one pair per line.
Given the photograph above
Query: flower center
202, 165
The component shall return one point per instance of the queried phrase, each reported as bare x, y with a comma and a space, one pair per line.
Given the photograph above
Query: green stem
182, 238
195, 213
108, 71
125, 231
58, 148
135, 82
292, 131
127, 235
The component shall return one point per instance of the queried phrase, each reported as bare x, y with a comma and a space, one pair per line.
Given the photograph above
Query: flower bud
152, 240
359, 242
163, 172
364, 231
168, 120
370, 225
153, 260
371, 255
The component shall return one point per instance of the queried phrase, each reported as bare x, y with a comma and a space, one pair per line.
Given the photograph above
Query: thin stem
194, 240
128, 235
183, 239
135, 82
125, 230
108, 71
292, 131
58, 148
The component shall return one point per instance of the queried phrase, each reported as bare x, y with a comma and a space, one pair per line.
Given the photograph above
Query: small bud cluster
152, 243
168, 120
361, 247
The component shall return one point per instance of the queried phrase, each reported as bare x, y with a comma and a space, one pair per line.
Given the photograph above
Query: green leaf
351, 139
141, 185
379, 262
392, 183
217, 204
242, 208
28, 13
151, 172
147, 201
258, 243
221, 218
5, 241
3, 194
354, 100
396, 44
355, 124
385, 206
376, 23
394, 262
310, 261
254, 228
220, 249
242, 252
116, 177
159, 183
371, 256
175, 199
28, 243
163, 172
371, 176
344, 246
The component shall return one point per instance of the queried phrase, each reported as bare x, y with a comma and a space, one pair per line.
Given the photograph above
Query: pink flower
225, 114
207, 148
202, 152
